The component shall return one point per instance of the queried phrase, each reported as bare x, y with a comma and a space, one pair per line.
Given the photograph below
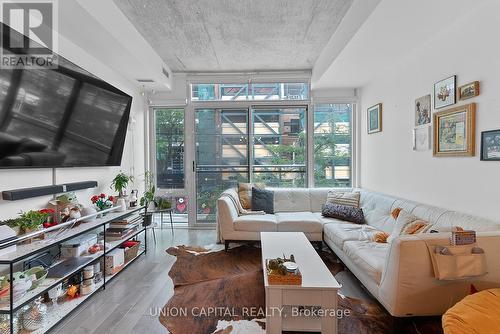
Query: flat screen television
62, 117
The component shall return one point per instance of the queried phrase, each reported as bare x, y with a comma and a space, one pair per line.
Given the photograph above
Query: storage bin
78, 246
114, 261
131, 249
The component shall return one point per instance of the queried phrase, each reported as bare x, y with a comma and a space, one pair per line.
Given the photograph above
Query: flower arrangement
49, 222
102, 201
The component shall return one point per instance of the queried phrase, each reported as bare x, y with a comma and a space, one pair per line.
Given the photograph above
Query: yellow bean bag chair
475, 314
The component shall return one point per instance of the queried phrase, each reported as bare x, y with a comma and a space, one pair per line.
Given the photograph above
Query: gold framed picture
455, 132
469, 90
374, 117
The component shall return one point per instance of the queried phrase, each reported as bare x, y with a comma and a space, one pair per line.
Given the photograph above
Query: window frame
354, 138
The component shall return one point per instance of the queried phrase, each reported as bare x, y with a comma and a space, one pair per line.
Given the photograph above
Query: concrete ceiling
236, 35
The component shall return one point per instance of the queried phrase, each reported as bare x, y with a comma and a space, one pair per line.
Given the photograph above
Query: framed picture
422, 138
469, 90
454, 131
490, 145
444, 92
423, 110
374, 116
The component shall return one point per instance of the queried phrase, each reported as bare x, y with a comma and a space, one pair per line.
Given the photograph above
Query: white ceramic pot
89, 211
120, 202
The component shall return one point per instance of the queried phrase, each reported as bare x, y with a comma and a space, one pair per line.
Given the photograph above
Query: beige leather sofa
399, 274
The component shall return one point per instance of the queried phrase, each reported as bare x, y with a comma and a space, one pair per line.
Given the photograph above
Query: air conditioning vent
145, 80
165, 72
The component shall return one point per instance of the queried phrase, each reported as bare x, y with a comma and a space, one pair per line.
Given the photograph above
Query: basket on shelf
131, 250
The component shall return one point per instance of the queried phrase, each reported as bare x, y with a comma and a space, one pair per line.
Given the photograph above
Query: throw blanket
232, 194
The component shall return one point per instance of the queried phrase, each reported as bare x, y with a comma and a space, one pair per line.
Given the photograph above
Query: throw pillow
245, 193
344, 212
380, 237
349, 198
262, 200
395, 213
406, 223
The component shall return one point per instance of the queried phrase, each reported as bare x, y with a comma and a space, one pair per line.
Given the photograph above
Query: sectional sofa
399, 274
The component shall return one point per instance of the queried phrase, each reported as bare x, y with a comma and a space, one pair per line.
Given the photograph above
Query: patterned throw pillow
344, 212
245, 193
406, 223
262, 200
349, 198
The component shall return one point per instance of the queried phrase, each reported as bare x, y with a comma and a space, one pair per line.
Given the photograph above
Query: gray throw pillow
262, 200
344, 212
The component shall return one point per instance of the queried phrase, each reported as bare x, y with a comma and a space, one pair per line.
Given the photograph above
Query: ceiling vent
145, 80
165, 72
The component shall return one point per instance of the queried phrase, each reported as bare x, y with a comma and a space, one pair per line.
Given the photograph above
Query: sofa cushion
262, 200
344, 212
298, 222
318, 198
255, 223
245, 193
369, 256
341, 232
350, 198
291, 200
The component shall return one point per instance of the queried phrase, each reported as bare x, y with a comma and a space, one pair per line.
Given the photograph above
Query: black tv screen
61, 117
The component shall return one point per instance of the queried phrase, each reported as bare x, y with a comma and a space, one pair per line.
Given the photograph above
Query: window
279, 146
333, 145
253, 92
169, 126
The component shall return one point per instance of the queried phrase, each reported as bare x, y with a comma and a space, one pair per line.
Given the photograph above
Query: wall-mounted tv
62, 117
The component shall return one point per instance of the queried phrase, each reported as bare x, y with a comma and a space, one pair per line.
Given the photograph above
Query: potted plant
13, 223
148, 197
162, 203
102, 202
120, 183
32, 220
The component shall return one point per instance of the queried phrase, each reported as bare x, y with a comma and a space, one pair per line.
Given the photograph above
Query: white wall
133, 155
463, 41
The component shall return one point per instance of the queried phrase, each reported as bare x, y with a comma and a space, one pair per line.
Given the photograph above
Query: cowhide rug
218, 292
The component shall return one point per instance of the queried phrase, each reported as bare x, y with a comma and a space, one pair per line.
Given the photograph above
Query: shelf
114, 244
63, 310
25, 251
110, 277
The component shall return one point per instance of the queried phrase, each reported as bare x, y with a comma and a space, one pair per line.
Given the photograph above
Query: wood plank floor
129, 302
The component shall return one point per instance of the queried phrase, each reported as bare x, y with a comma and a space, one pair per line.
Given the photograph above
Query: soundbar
17, 194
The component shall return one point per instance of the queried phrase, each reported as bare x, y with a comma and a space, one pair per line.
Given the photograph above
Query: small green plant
149, 191
12, 222
120, 182
162, 203
32, 219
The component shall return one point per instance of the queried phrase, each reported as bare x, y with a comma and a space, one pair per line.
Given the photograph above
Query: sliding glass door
221, 156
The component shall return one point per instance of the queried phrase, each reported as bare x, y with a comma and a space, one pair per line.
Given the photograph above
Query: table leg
171, 222
329, 303
161, 220
274, 307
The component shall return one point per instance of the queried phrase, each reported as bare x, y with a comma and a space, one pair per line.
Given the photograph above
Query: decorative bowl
40, 273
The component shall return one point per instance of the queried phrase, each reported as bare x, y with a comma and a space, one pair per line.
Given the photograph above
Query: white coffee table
319, 287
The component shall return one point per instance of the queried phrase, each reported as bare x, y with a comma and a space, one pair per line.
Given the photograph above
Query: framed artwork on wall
423, 110
468, 91
444, 92
490, 145
422, 138
454, 131
374, 116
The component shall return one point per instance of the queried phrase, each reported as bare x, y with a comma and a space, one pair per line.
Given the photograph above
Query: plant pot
147, 219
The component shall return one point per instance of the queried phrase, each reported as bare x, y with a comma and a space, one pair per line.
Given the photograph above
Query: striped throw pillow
349, 198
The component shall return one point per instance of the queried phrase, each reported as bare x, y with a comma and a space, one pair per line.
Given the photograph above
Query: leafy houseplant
148, 196
162, 203
120, 182
32, 220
